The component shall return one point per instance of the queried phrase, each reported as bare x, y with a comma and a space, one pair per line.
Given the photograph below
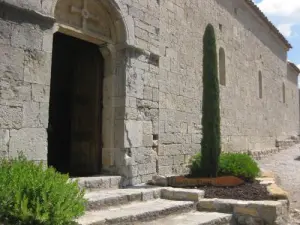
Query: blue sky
285, 15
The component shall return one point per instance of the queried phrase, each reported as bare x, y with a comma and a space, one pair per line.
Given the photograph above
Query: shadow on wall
297, 158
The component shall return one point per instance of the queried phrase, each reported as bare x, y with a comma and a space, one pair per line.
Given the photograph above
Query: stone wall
25, 64
156, 117
248, 123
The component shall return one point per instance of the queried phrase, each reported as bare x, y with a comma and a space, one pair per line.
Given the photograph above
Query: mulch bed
247, 191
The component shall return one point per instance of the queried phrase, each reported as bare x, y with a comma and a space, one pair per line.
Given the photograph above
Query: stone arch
100, 19
222, 66
102, 22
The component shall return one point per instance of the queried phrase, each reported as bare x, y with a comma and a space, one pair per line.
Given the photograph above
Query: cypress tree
210, 143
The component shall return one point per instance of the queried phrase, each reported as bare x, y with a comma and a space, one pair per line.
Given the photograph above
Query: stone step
193, 218
99, 182
136, 212
102, 199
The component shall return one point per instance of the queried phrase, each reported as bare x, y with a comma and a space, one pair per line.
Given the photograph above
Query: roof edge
268, 22
293, 65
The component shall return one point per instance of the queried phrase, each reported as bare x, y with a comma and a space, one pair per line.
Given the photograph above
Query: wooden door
86, 143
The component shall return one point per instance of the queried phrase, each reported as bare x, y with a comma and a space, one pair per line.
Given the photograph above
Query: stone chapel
97, 87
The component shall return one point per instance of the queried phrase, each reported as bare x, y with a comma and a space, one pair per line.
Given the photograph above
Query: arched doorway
84, 41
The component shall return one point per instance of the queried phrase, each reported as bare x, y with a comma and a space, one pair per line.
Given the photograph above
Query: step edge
184, 206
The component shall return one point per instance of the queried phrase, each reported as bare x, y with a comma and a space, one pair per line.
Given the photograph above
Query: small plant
195, 167
33, 194
231, 164
210, 143
239, 165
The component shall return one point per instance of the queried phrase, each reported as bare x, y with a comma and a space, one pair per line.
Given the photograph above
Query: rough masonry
152, 88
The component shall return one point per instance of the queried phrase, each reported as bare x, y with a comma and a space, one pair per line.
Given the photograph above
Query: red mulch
247, 191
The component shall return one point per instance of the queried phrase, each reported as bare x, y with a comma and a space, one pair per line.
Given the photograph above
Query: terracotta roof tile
269, 23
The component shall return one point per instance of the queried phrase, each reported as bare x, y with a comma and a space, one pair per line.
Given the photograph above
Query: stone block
4, 141
133, 134
37, 67
11, 56
147, 127
142, 155
165, 170
178, 160
11, 72
148, 93
12, 90
5, 32
44, 114
276, 192
178, 194
40, 93
246, 211
147, 140
30, 141
10, 117
47, 41
31, 115
267, 212
26, 36
134, 83
147, 169
158, 180
165, 160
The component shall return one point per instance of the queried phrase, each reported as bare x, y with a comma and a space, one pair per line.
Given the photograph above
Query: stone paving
286, 165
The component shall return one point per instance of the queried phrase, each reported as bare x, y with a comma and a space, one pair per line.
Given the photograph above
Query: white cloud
285, 8
284, 13
285, 29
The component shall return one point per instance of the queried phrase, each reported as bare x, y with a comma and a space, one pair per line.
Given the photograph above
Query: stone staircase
108, 204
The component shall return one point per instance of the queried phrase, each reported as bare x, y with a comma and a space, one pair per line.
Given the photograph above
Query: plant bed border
266, 178
222, 181
249, 212
269, 212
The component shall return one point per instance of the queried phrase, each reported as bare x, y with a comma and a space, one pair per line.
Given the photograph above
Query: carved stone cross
84, 13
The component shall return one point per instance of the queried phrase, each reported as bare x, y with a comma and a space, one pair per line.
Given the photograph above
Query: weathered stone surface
249, 212
194, 218
102, 199
40, 93
30, 141
179, 194
5, 32
159, 181
136, 212
10, 117
26, 37
31, 115
4, 141
133, 135
105, 182
276, 192
37, 67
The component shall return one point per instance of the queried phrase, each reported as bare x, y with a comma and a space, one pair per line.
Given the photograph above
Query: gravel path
287, 167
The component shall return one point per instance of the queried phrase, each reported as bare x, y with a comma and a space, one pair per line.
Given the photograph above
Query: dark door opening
75, 111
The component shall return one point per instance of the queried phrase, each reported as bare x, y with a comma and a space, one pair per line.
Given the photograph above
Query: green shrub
231, 164
195, 166
210, 143
33, 194
239, 165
